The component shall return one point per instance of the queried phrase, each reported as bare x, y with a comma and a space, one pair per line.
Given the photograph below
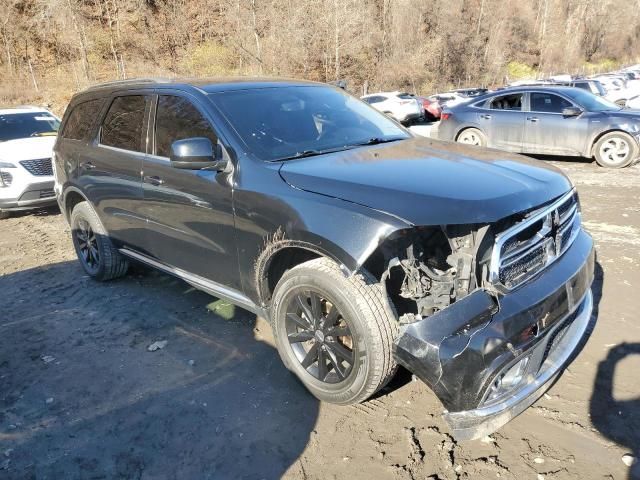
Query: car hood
429, 182
626, 114
27, 148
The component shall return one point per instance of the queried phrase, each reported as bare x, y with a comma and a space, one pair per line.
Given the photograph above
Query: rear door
189, 212
110, 171
548, 131
502, 120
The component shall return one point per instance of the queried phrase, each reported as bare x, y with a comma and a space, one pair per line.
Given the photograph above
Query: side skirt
201, 283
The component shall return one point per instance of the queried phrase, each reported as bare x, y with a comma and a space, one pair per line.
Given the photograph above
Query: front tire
615, 150
472, 136
97, 254
4, 215
334, 333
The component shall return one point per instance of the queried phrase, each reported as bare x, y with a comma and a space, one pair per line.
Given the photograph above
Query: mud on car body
365, 246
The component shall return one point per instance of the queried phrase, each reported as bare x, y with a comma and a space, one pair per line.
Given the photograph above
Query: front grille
47, 193
39, 167
5, 179
528, 247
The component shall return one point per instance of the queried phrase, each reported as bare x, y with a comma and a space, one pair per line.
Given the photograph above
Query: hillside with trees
52, 48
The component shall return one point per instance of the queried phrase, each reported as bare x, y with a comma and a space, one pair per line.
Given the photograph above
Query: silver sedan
547, 120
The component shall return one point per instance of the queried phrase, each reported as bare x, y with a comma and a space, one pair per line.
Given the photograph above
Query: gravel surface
145, 377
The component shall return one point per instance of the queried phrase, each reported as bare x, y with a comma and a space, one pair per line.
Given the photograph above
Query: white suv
27, 135
401, 106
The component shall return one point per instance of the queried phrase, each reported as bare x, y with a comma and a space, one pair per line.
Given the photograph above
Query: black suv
366, 247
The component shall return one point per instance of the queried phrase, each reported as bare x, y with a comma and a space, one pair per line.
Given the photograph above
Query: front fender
346, 232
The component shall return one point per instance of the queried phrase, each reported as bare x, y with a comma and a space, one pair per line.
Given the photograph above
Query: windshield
589, 101
286, 122
22, 125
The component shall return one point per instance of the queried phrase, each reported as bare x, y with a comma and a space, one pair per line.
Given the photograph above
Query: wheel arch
279, 256
72, 196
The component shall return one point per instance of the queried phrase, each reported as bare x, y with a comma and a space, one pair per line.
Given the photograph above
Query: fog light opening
508, 381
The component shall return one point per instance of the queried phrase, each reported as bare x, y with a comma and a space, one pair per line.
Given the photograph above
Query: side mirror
196, 153
571, 111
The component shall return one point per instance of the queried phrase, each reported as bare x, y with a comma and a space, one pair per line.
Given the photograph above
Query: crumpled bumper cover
460, 351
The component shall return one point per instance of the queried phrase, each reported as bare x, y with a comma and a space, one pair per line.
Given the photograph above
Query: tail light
445, 116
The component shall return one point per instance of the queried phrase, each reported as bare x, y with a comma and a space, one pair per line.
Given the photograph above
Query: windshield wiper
309, 153
313, 153
377, 141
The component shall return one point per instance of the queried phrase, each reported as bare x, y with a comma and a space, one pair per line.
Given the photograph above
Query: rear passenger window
507, 102
122, 126
80, 121
177, 119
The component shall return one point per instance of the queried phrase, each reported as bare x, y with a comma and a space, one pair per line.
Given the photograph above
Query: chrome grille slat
547, 233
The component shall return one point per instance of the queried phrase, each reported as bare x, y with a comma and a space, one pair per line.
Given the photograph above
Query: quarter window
81, 118
122, 126
177, 119
548, 103
507, 102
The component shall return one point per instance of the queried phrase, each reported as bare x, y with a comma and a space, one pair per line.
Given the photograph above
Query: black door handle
87, 165
486, 116
532, 119
153, 180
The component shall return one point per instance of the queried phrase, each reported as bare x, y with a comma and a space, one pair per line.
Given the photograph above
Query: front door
189, 212
548, 131
502, 120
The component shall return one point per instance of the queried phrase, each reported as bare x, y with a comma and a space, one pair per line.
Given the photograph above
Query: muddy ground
82, 397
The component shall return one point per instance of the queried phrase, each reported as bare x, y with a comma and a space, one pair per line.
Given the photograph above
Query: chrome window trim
539, 215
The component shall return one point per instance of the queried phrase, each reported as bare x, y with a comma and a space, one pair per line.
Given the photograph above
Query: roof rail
129, 81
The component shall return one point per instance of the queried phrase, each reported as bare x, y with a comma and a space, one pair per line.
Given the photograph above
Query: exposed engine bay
428, 269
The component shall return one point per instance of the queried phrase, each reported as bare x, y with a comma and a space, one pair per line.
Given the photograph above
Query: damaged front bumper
489, 359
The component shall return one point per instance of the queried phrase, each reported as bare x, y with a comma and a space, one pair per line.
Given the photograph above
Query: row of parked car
407, 108
595, 117
590, 117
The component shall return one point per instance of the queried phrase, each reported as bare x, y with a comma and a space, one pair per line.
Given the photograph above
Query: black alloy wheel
87, 245
320, 337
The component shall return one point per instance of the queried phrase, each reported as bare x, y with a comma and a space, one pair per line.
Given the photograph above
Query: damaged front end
490, 314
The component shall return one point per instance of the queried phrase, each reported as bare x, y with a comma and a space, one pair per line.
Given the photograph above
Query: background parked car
27, 136
431, 109
618, 88
402, 106
547, 120
634, 103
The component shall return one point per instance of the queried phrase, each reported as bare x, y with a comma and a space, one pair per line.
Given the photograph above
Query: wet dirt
81, 395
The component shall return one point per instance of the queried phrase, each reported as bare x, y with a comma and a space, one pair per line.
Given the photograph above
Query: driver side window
548, 103
177, 119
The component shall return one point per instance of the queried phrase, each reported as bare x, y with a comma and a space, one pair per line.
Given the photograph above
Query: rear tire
334, 333
98, 256
4, 215
615, 150
472, 136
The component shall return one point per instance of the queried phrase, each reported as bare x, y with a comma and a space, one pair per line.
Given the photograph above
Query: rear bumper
464, 351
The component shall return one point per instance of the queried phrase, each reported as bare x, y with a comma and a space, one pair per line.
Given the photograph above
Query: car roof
526, 88
23, 109
206, 85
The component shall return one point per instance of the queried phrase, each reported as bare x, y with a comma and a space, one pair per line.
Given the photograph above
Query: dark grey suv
547, 120
365, 247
